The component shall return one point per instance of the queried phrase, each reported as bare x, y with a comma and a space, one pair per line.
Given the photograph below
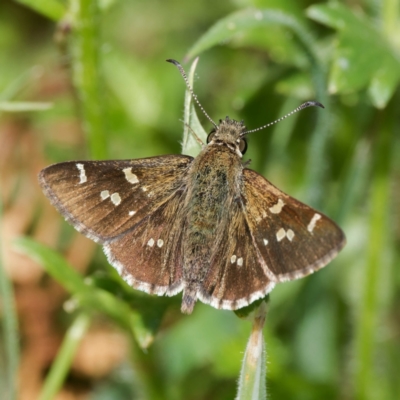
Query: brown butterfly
207, 226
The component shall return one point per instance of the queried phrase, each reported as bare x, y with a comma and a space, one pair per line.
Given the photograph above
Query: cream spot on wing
105, 194
314, 219
82, 173
280, 234
240, 261
290, 234
132, 213
277, 208
144, 188
160, 243
151, 242
265, 241
116, 199
130, 177
233, 259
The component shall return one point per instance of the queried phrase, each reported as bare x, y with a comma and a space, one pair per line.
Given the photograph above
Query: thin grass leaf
10, 334
21, 106
62, 364
379, 228
89, 296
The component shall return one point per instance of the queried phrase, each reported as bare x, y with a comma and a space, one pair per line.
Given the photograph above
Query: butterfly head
229, 133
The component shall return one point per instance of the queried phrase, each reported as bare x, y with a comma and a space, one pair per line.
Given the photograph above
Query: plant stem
252, 375
86, 69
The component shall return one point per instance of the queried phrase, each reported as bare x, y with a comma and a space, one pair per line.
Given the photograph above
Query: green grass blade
376, 263
89, 296
61, 366
10, 335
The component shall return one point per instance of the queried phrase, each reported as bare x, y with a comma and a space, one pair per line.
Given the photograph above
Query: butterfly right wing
270, 237
293, 239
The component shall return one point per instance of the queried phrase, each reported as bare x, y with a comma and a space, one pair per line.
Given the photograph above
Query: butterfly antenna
183, 73
304, 105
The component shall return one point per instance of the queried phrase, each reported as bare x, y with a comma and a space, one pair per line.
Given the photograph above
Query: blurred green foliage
333, 335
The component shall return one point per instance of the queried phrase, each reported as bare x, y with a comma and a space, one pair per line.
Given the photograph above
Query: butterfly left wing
149, 257
127, 207
292, 238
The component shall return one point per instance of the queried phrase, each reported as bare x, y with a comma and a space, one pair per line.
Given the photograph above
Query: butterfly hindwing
293, 239
237, 275
104, 199
149, 257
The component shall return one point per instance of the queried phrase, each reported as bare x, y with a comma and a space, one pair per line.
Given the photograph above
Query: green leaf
52, 9
244, 20
363, 57
384, 82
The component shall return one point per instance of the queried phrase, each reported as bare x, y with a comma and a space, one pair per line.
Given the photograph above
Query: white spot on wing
116, 199
290, 234
132, 213
280, 234
105, 194
265, 241
130, 177
144, 188
314, 219
160, 243
233, 259
277, 208
240, 261
82, 173
150, 243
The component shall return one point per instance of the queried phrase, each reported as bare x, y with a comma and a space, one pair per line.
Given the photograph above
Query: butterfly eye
243, 146
210, 136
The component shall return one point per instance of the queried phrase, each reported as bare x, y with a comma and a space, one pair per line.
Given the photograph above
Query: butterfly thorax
215, 182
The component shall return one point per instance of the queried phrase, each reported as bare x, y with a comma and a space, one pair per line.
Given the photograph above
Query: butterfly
207, 226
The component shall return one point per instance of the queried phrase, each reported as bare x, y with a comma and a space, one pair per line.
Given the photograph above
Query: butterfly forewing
293, 239
104, 199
